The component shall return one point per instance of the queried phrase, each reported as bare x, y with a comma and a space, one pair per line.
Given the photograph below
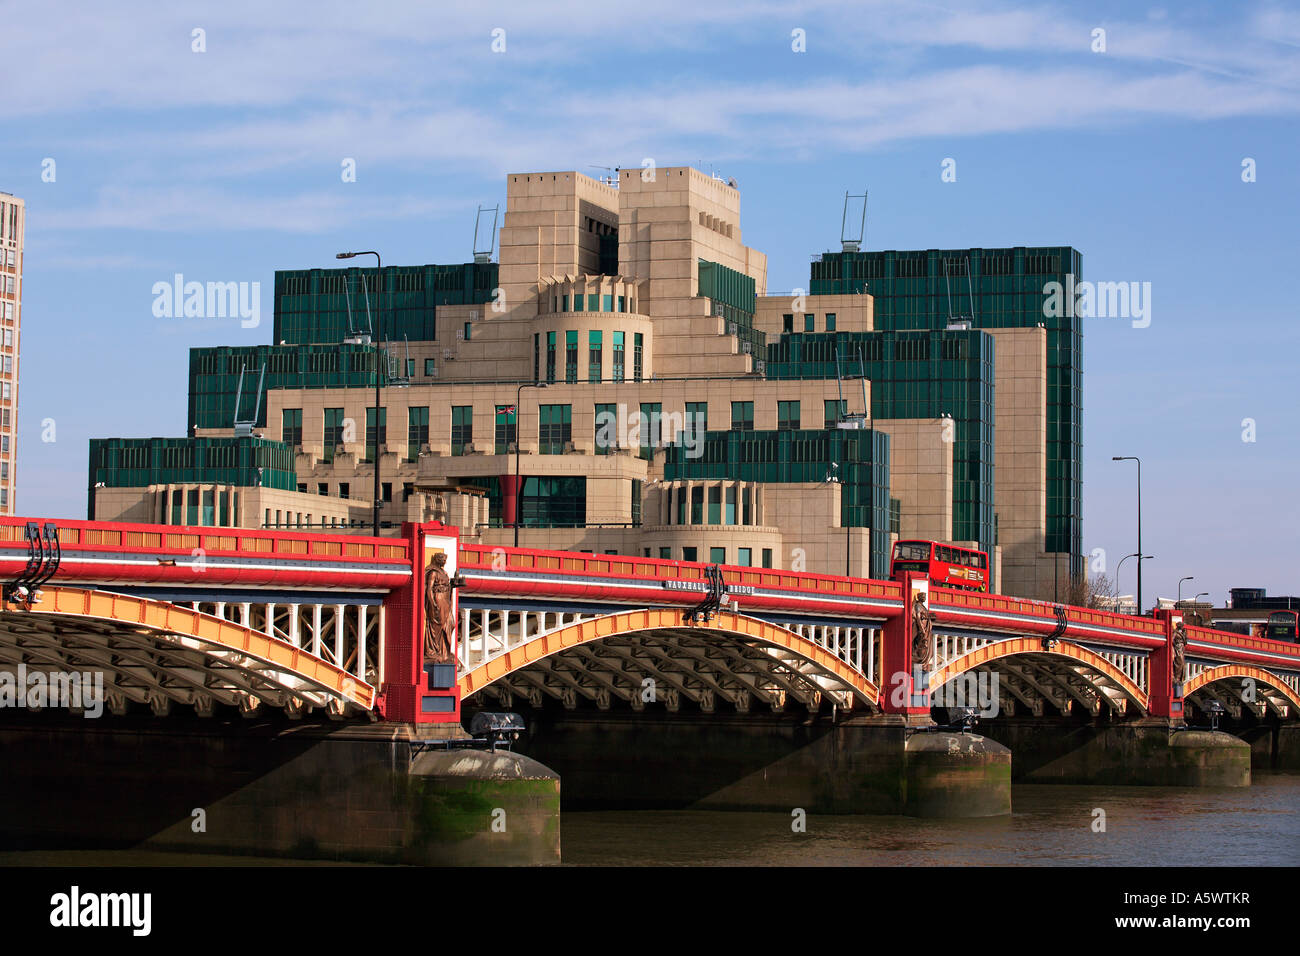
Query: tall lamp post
1120, 566
379, 309
1139, 516
1190, 577
519, 498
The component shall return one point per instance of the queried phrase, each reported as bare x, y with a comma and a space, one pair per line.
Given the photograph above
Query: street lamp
1189, 577
1139, 516
519, 498
1119, 566
379, 309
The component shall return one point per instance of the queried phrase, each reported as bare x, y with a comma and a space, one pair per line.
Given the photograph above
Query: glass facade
861, 457
916, 375
1007, 285
246, 461
554, 429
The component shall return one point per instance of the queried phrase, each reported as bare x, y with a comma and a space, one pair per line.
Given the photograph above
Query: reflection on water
1051, 826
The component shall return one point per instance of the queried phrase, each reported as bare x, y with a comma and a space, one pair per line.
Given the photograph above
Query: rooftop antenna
246, 427
847, 242
485, 255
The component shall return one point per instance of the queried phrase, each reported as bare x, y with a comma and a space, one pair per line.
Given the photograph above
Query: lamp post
379, 309
1119, 566
519, 502
1139, 517
1189, 577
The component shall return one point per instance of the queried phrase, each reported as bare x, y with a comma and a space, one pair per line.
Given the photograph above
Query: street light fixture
519, 498
379, 308
1189, 577
1119, 566
1139, 522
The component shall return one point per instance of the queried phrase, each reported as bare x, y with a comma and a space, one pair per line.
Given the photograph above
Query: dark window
636, 356
742, 416
787, 323
689, 554
594, 348
554, 429
462, 428
417, 431
333, 431
505, 426
291, 427
787, 416
571, 355
606, 428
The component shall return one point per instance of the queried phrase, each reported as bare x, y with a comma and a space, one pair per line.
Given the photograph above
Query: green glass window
697, 505
333, 431
417, 431
651, 424
593, 355
554, 429
717, 555
577, 302
808, 322
564, 303
636, 356
742, 416
715, 504
697, 419
618, 357
571, 355
430, 367
371, 437
787, 416
787, 323
291, 426
505, 426
607, 303
729, 506
666, 554
468, 329
690, 554
830, 321
462, 428
636, 502
622, 303
835, 410
745, 557
592, 299
606, 428
767, 557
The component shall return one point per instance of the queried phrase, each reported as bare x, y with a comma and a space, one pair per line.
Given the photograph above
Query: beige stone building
618, 365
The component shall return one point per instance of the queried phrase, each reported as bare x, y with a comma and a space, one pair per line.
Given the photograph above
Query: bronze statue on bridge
439, 618
922, 626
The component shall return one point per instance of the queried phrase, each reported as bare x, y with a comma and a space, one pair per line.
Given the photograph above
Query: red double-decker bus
944, 564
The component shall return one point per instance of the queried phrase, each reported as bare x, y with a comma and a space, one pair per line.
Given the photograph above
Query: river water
1050, 825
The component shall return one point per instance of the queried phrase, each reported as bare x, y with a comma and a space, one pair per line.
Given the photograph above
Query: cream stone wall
920, 475
853, 313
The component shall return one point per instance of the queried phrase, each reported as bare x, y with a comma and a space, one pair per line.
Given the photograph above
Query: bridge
305, 622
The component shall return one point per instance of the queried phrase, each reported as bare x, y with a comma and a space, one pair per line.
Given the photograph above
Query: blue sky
225, 165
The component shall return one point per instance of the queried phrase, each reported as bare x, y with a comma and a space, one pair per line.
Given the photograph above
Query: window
323, 489
636, 356
537, 356
462, 428
607, 303
468, 327
345, 491
690, 554
745, 557
9, 336
651, 418
742, 416
291, 426
787, 416
592, 299
577, 303
717, 555
550, 356
787, 323
715, 504
430, 368
830, 321
554, 429
808, 322
373, 439
697, 505
505, 426
666, 554
333, 431
410, 368
571, 355
697, 420
618, 356
417, 431
767, 557
386, 491
622, 303
606, 428
564, 303
636, 502
593, 355
835, 410
729, 506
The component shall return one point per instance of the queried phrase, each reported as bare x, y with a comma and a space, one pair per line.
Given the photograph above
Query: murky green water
1051, 826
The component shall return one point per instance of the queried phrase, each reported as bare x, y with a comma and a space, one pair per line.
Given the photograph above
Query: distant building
13, 222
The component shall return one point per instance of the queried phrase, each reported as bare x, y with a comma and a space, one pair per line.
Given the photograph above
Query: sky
212, 141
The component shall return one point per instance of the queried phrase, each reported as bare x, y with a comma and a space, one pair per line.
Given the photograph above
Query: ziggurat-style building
656, 402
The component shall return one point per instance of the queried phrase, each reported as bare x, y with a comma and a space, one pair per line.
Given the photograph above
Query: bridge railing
1244, 642
1005, 604
483, 557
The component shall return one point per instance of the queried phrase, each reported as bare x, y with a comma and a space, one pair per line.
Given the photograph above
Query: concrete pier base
956, 775
1145, 752
351, 792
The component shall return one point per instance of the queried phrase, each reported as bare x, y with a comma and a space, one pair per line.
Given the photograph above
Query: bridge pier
352, 792
1152, 751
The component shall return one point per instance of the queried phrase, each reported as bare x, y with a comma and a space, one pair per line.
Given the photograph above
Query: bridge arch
733, 657
1204, 680
160, 653
1059, 672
